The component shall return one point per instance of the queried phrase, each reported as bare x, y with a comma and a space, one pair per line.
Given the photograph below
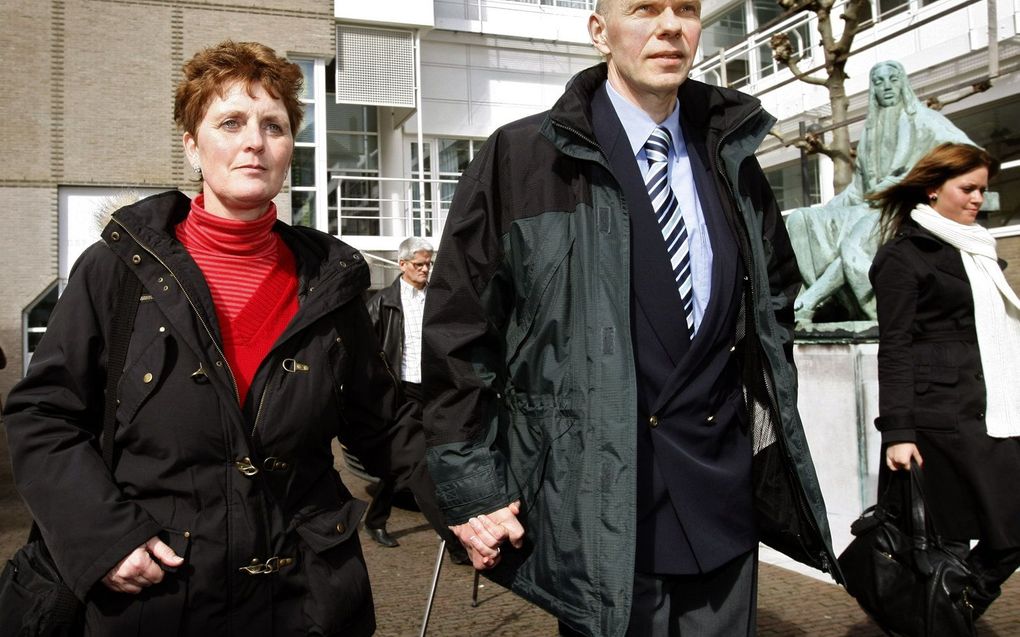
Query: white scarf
996, 317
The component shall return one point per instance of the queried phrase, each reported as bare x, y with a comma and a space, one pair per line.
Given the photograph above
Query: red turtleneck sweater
252, 277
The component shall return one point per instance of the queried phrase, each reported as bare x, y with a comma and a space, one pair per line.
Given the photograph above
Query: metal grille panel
374, 66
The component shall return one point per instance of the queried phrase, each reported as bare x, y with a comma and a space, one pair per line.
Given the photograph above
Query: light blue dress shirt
639, 126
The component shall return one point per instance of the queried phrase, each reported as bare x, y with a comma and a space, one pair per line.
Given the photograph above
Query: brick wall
1008, 248
88, 101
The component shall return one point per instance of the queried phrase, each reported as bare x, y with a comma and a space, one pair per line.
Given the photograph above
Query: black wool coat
248, 496
932, 390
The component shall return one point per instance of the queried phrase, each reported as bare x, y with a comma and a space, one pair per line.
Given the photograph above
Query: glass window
308, 86
454, 156
586, 5
346, 151
306, 134
303, 178
37, 318
302, 207
359, 205
888, 8
352, 159
728, 30
996, 128
350, 117
789, 187
302, 169
767, 12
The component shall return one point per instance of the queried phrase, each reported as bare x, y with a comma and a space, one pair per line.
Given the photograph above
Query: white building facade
401, 94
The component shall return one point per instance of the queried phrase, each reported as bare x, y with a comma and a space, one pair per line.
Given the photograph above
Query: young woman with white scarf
949, 325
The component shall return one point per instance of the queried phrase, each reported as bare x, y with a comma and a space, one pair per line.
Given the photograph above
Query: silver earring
197, 169
933, 197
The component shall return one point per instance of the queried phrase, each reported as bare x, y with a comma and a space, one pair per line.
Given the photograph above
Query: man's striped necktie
671, 220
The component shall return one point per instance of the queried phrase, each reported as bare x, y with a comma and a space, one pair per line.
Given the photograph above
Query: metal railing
587, 5
376, 213
755, 54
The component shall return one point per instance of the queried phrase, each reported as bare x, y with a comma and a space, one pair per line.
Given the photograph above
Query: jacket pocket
141, 378
337, 593
157, 611
936, 397
339, 362
927, 375
536, 280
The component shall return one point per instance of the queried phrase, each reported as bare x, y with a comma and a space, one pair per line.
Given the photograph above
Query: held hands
141, 567
898, 456
482, 535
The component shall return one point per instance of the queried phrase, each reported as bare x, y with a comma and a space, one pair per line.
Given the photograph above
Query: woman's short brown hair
211, 70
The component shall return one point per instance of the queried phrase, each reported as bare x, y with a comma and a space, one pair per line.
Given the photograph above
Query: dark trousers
991, 567
379, 508
720, 603
382, 500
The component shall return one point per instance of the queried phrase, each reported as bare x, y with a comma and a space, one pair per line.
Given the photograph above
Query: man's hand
482, 535
898, 456
141, 567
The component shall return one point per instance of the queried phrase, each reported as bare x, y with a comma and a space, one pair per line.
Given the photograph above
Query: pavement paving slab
790, 604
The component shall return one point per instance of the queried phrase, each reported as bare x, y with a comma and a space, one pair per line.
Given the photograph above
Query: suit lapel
715, 326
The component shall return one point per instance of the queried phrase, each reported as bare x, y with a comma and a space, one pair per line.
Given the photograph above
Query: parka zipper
262, 402
716, 158
194, 307
591, 142
773, 405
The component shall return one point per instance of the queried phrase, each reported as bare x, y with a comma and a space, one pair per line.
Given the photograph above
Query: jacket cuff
904, 420
466, 480
898, 435
109, 558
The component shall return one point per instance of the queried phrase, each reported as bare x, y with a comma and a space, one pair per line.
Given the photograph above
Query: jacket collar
718, 111
330, 272
320, 259
910, 230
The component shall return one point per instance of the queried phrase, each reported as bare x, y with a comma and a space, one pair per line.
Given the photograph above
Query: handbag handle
922, 530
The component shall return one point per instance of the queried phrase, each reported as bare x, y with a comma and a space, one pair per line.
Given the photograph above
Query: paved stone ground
789, 604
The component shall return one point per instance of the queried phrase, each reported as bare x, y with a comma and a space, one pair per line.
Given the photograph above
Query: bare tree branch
782, 52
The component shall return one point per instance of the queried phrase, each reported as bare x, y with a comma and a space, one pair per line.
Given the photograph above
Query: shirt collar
410, 290
638, 125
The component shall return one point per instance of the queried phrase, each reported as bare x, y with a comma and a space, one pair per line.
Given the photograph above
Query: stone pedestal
838, 402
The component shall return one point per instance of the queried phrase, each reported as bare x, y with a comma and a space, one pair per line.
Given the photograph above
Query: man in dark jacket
396, 312
612, 423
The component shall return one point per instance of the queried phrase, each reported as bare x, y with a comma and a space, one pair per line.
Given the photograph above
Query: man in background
396, 312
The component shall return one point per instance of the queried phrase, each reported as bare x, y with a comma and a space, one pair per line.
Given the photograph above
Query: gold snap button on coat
136, 259
147, 378
653, 422
341, 527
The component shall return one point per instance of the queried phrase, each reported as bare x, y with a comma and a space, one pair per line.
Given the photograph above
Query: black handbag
902, 574
34, 600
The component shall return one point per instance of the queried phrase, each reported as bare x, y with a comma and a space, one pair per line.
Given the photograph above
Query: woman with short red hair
251, 350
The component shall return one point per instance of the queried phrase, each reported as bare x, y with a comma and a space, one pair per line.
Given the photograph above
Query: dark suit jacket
694, 502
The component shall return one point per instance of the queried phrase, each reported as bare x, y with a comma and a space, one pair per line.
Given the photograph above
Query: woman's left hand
899, 455
141, 567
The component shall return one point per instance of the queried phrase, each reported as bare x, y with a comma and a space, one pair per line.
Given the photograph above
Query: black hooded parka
248, 496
